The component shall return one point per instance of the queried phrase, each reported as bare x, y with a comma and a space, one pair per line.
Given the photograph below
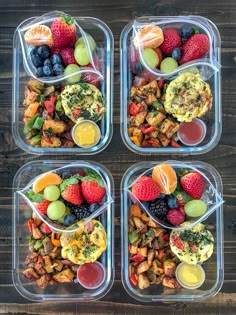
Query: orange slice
45, 180
164, 175
151, 36
39, 35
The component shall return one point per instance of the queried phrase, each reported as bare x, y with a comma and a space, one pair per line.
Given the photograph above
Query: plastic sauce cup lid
81, 122
201, 125
96, 268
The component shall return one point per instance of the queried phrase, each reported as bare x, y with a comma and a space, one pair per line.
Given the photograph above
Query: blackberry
159, 208
80, 212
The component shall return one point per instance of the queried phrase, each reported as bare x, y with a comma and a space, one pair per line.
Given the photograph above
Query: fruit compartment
72, 291
212, 118
46, 20
72, 169
208, 64
213, 267
104, 49
211, 196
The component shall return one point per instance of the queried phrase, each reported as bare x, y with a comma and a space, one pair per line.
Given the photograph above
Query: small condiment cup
73, 130
201, 124
190, 287
102, 278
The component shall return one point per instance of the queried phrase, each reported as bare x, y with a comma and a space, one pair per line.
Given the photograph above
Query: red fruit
194, 48
90, 77
193, 184
67, 55
147, 75
92, 191
42, 206
72, 194
176, 240
159, 55
55, 51
145, 189
172, 40
175, 217
63, 32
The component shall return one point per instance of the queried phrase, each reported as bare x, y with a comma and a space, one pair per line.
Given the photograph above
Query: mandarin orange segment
150, 36
39, 35
165, 176
45, 180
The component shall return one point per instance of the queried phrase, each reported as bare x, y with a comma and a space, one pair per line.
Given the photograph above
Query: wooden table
117, 14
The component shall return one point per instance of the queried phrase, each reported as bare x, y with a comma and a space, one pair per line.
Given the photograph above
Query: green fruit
72, 68
81, 55
150, 57
61, 220
91, 41
56, 210
195, 208
51, 193
168, 65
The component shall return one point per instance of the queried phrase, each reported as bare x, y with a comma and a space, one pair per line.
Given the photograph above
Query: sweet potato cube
135, 211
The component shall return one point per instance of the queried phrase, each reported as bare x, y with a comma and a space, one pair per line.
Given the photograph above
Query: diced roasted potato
137, 132
42, 282
138, 222
143, 251
57, 265
169, 267
149, 88
133, 91
47, 264
152, 223
155, 118
55, 142
171, 282
167, 124
163, 138
153, 134
133, 249
150, 256
30, 274
142, 267
158, 231
138, 119
150, 98
65, 275
135, 211
156, 269
143, 281
35, 85
171, 131
56, 126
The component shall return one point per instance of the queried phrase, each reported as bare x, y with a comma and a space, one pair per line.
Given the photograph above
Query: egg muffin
188, 97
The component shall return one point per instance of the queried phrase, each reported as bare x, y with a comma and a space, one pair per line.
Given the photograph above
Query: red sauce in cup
192, 133
91, 275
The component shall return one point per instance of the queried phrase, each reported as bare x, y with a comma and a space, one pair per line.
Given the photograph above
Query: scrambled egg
188, 97
192, 246
84, 245
82, 100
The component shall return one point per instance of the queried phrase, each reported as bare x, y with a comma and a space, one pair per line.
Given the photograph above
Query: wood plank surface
116, 156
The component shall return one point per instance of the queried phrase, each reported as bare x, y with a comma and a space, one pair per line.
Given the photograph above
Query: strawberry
194, 48
193, 184
71, 190
63, 32
145, 189
92, 191
172, 40
90, 77
42, 206
67, 55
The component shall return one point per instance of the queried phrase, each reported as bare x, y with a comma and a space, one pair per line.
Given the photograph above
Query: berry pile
167, 49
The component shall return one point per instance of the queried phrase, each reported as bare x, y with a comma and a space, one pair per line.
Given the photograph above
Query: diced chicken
56, 126
55, 142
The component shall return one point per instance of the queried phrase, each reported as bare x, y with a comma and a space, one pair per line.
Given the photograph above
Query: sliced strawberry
145, 189
193, 184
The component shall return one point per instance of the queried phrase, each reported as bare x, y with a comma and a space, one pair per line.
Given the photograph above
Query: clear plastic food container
23, 70
213, 267
208, 67
22, 212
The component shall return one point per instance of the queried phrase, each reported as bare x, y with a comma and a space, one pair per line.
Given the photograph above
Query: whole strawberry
63, 32
92, 191
171, 41
71, 191
193, 184
42, 206
67, 55
145, 189
194, 48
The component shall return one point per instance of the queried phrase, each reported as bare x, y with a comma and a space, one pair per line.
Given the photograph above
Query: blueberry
47, 62
186, 31
69, 219
138, 67
93, 207
58, 69
37, 60
47, 70
172, 202
65, 174
176, 53
44, 51
162, 196
39, 72
33, 51
56, 59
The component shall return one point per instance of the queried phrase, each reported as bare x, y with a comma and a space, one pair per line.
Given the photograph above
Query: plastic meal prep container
22, 212
104, 40
209, 68
214, 266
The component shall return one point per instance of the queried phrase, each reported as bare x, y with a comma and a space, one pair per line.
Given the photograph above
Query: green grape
56, 210
71, 69
61, 220
150, 57
91, 41
81, 55
195, 208
51, 192
168, 64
